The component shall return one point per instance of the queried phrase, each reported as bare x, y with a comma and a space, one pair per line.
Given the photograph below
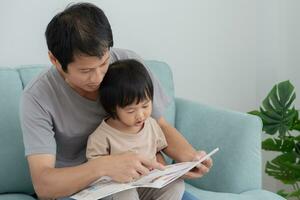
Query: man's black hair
125, 82
81, 28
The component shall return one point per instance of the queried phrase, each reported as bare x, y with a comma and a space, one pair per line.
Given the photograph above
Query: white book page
155, 179
158, 179
100, 189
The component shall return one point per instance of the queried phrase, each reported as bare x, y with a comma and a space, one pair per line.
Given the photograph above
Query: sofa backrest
14, 176
163, 73
14, 173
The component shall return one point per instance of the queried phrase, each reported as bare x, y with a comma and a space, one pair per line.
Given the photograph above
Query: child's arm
160, 158
97, 144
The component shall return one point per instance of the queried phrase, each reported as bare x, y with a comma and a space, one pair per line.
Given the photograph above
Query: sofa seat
249, 195
16, 197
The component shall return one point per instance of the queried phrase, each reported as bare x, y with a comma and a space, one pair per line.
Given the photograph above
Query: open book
155, 179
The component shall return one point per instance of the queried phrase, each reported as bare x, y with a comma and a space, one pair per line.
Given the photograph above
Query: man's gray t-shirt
57, 120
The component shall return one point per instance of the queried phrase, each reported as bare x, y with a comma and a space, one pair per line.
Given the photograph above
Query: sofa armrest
237, 165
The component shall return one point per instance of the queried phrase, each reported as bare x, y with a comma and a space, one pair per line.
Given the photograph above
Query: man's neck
88, 95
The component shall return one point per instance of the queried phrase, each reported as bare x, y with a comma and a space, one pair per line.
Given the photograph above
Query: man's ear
54, 60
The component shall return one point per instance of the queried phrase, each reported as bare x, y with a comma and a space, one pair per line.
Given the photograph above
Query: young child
126, 94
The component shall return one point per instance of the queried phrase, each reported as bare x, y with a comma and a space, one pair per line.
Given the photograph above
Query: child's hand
201, 169
127, 167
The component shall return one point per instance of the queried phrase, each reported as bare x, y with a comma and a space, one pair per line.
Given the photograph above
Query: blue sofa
236, 174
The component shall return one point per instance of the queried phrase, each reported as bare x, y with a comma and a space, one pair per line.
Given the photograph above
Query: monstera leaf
284, 168
294, 194
286, 194
276, 112
279, 116
286, 144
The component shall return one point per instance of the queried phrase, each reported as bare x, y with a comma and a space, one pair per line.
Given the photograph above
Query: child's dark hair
126, 82
81, 28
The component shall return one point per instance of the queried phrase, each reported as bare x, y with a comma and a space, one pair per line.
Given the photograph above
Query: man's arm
51, 183
180, 150
178, 147
160, 158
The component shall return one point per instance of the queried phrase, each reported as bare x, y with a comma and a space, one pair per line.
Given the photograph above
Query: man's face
86, 73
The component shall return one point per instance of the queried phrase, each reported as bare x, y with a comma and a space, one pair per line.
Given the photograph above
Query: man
60, 108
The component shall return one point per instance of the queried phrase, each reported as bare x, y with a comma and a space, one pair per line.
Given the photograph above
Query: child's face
134, 115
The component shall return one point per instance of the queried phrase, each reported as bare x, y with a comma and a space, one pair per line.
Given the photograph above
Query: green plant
279, 119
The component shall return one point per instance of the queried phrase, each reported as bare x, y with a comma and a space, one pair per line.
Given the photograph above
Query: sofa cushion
14, 174
249, 195
16, 197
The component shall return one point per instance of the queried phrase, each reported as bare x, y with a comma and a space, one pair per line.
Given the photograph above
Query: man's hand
201, 169
129, 166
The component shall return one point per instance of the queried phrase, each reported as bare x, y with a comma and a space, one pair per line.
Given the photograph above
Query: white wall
223, 53
209, 44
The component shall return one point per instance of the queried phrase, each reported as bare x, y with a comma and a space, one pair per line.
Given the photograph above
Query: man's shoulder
122, 54
38, 81
41, 86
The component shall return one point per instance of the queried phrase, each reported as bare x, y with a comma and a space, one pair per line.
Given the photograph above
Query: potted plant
281, 122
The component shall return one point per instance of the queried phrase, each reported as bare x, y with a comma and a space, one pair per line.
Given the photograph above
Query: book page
101, 189
155, 179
